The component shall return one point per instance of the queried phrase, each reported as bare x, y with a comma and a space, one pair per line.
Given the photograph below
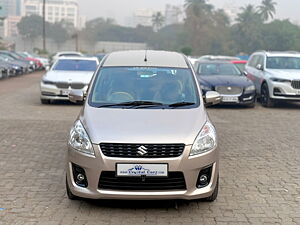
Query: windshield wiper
133, 103
181, 104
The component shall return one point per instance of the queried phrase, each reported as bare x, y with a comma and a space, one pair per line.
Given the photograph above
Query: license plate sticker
230, 99
137, 170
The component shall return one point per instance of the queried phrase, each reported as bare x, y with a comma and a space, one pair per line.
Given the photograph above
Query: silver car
143, 132
276, 76
71, 73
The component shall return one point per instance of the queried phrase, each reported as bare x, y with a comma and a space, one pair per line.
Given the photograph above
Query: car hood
224, 80
70, 76
285, 74
143, 126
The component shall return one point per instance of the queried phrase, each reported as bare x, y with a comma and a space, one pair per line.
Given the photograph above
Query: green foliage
187, 50
31, 27
157, 21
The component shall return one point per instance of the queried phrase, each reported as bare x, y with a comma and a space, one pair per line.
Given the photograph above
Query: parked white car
67, 73
65, 54
276, 76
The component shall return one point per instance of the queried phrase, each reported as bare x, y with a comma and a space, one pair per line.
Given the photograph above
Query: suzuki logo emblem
142, 150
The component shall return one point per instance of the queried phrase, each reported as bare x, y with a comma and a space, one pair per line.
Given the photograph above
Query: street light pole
44, 25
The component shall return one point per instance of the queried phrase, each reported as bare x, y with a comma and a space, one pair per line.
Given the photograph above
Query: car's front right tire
265, 99
214, 195
45, 101
70, 195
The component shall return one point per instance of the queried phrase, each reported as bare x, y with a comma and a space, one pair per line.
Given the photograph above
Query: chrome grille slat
65, 85
229, 90
131, 150
296, 84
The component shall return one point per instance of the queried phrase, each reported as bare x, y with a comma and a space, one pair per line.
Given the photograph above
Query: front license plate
230, 99
137, 170
64, 92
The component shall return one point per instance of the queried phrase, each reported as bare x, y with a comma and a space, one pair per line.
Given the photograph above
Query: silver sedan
66, 74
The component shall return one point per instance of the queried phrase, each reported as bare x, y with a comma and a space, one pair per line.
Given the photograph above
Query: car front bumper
244, 99
52, 92
189, 166
283, 91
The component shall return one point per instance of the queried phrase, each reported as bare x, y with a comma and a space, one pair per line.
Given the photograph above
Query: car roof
79, 58
146, 58
214, 62
280, 53
239, 61
61, 53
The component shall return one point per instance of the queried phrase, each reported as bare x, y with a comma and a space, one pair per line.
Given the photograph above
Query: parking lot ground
259, 168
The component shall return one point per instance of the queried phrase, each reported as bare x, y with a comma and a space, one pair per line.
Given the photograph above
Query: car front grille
142, 150
77, 85
296, 84
229, 90
174, 181
62, 85
65, 85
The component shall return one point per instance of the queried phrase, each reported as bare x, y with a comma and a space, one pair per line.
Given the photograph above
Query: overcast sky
122, 9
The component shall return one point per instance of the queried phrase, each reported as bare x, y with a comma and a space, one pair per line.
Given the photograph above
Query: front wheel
45, 101
70, 195
265, 99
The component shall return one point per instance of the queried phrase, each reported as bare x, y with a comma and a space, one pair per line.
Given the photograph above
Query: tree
267, 9
247, 33
58, 33
31, 26
157, 21
196, 7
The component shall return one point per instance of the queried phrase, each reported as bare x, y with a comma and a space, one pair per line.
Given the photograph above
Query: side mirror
212, 98
76, 96
259, 67
245, 73
47, 68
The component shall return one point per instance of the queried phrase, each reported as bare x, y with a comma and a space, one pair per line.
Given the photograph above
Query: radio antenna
146, 59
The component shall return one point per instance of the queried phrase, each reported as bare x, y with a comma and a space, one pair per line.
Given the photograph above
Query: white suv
276, 76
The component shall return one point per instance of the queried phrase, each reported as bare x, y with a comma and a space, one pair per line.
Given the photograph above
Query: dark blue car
225, 78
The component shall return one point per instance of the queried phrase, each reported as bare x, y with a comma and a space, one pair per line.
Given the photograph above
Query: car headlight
279, 80
205, 88
79, 139
205, 141
45, 81
250, 88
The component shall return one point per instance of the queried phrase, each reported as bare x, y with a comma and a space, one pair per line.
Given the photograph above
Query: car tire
70, 195
214, 195
45, 101
265, 99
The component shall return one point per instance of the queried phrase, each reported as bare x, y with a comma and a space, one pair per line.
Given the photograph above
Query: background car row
270, 77
18, 63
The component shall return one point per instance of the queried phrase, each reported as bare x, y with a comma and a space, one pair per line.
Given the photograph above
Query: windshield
286, 63
218, 69
240, 66
75, 65
164, 86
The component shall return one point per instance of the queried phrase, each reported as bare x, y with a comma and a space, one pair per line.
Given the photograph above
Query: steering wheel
120, 97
